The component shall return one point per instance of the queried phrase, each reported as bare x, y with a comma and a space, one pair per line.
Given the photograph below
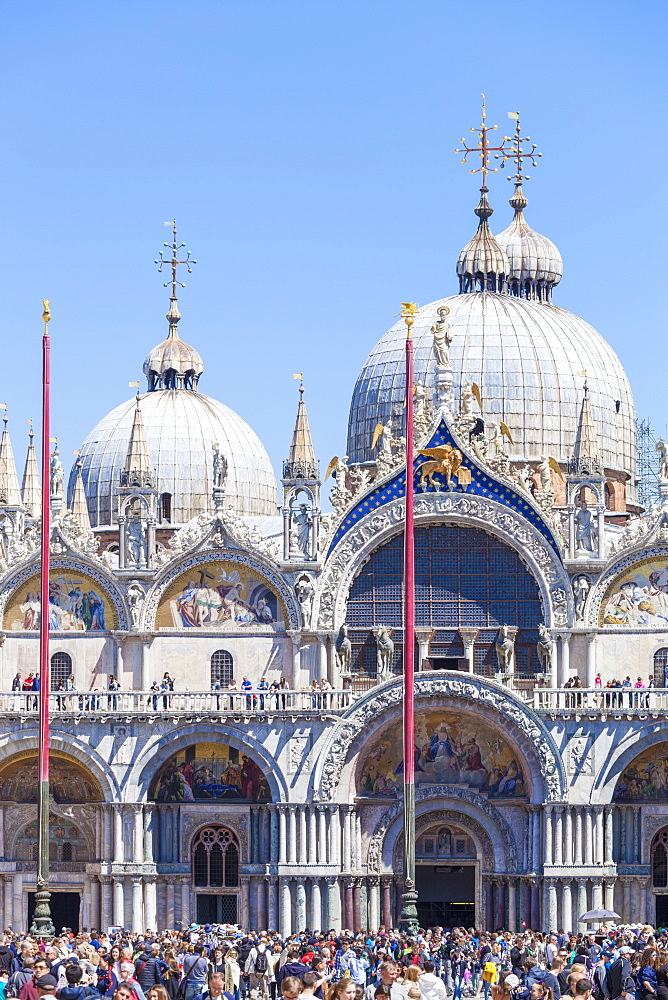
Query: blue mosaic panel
482, 484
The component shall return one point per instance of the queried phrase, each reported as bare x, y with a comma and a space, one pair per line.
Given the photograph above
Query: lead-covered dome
535, 264
528, 358
181, 428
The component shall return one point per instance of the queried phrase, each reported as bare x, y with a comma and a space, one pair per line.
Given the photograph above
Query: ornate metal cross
517, 151
173, 262
483, 148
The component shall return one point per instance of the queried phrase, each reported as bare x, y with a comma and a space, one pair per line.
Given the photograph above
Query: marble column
374, 902
609, 894
149, 813
650, 903
312, 836
85, 909
282, 835
245, 901
578, 840
582, 899
500, 903
591, 661
272, 903
348, 908
303, 855
566, 905
564, 665
138, 838
558, 835
588, 837
636, 835
598, 835
334, 835
333, 906
285, 929
273, 836
357, 910
119, 901
106, 854
150, 904
489, 904
552, 918
323, 855
387, 903
547, 841
535, 812
170, 908
626, 902
137, 917
20, 914
608, 839
568, 839
185, 901
95, 903
106, 909
346, 860
119, 847
512, 905
315, 922
597, 895
8, 901
292, 838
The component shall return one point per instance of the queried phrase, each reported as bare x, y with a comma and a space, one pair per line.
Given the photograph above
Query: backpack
261, 963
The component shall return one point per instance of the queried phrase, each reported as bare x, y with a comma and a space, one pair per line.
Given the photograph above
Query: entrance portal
661, 910
64, 910
216, 909
446, 895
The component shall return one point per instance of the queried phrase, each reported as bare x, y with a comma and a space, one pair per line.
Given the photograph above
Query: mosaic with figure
639, 596
646, 779
219, 595
452, 748
208, 771
76, 604
69, 782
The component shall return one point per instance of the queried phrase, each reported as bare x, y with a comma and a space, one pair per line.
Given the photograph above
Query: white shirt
431, 987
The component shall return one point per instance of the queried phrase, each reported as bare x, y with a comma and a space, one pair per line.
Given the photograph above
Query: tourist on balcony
16, 686
29, 685
325, 687
70, 686
167, 684
247, 687
112, 685
315, 693
233, 687
154, 689
263, 685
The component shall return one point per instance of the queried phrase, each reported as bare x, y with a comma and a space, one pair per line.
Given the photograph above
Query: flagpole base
408, 920
42, 925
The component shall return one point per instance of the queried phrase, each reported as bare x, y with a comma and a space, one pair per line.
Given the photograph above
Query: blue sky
306, 151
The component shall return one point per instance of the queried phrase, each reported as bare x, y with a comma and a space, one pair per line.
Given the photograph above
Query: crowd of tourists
222, 962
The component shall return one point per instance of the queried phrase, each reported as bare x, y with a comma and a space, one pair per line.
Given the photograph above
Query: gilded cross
173, 262
483, 148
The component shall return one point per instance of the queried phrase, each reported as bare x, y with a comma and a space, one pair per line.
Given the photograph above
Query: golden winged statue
445, 461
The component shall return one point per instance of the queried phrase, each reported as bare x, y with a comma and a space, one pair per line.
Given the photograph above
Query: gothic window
660, 860
222, 669
661, 667
215, 859
61, 668
166, 507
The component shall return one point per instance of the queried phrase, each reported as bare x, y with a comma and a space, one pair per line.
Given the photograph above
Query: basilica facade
226, 658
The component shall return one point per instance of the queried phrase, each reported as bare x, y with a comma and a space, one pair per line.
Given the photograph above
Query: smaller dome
482, 265
173, 364
535, 262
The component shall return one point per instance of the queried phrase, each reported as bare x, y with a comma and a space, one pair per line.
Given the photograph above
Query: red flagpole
42, 925
408, 922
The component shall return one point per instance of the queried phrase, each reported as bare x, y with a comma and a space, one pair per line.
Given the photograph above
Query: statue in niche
219, 468
302, 522
57, 475
585, 529
442, 335
444, 844
544, 649
304, 590
581, 587
135, 541
135, 595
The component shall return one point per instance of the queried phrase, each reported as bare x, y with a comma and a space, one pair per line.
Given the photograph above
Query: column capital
373, 880
582, 882
627, 880
271, 879
137, 879
104, 879
551, 883
331, 881
243, 879
149, 879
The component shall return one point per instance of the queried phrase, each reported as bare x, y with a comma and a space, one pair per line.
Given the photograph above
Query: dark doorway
446, 895
661, 910
216, 909
447, 663
64, 910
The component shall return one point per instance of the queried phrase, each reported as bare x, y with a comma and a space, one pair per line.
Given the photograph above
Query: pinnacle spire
586, 459
31, 487
10, 495
79, 506
137, 470
301, 461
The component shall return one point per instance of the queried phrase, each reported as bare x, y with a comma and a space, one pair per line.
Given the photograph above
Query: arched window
661, 667
215, 859
165, 506
61, 668
660, 860
222, 669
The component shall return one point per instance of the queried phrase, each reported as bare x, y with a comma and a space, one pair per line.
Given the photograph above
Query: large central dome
528, 359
